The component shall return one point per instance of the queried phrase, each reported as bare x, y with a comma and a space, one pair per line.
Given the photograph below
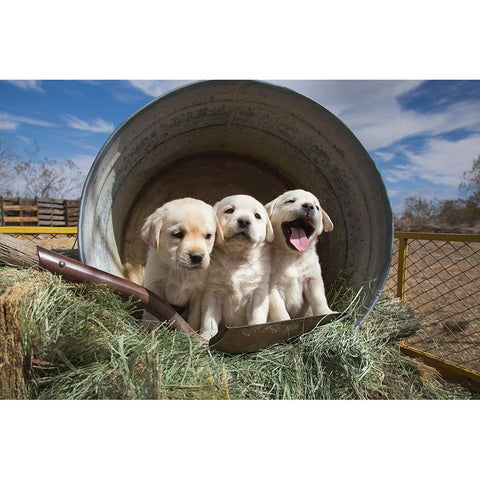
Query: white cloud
28, 85
83, 162
7, 124
156, 88
372, 112
383, 125
12, 122
97, 126
443, 162
344, 97
384, 156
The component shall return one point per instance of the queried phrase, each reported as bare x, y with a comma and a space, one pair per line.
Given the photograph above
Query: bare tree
471, 182
420, 208
6, 171
48, 178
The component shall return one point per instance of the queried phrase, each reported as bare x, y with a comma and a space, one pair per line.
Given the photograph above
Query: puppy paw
206, 334
325, 311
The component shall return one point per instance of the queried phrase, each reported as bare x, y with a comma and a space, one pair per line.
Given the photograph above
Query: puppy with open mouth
181, 235
237, 285
296, 284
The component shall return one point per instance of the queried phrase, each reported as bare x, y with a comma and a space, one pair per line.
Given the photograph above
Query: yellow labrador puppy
237, 285
296, 284
181, 235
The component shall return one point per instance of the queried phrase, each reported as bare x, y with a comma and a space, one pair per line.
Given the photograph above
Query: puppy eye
178, 234
230, 210
208, 236
290, 201
257, 215
317, 207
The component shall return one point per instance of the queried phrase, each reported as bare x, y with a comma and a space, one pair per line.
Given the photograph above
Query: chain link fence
438, 275
60, 239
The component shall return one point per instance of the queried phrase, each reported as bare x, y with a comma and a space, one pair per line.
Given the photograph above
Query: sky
422, 135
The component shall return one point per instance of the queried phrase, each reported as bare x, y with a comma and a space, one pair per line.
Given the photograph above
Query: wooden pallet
19, 211
44, 212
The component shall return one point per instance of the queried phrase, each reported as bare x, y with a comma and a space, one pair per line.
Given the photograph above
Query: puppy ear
327, 223
151, 228
219, 239
269, 236
269, 207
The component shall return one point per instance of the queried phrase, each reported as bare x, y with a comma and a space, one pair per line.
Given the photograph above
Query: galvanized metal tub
215, 138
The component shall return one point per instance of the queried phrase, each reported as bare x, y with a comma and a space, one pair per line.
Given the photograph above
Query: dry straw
85, 343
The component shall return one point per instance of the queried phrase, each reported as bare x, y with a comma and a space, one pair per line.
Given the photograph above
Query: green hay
94, 349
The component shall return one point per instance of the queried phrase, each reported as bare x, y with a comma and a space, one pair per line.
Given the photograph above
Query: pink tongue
298, 239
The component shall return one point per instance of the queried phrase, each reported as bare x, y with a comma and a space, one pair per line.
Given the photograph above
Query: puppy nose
196, 258
308, 207
243, 222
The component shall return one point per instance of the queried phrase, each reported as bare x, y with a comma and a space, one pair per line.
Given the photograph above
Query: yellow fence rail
39, 230
58, 238
436, 274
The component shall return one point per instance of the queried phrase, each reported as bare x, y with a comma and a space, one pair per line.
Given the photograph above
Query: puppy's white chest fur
290, 275
240, 282
176, 286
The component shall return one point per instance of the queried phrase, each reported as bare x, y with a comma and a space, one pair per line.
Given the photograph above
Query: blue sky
422, 135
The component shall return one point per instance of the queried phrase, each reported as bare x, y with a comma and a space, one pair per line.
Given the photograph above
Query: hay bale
86, 343
13, 361
11, 353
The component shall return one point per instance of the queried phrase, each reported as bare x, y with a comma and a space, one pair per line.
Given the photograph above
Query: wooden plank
58, 211
52, 223
19, 200
51, 200
52, 216
16, 208
20, 219
51, 206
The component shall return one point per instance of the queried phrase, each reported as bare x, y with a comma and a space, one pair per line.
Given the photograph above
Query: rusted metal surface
216, 138
252, 338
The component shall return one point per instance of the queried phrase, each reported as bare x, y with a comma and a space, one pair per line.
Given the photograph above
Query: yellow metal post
402, 267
